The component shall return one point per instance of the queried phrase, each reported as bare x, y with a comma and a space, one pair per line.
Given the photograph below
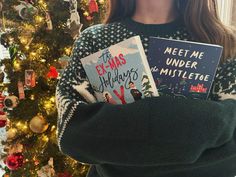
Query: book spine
146, 66
214, 74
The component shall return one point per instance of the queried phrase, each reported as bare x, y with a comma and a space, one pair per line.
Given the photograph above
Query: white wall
226, 9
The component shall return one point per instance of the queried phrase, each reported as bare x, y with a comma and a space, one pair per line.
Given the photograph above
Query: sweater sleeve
152, 131
224, 86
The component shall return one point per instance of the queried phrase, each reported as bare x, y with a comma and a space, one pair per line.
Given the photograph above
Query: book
120, 74
183, 68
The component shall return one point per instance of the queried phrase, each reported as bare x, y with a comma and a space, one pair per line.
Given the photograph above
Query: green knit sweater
153, 137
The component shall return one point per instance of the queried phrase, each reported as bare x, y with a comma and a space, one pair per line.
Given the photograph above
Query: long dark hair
200, 17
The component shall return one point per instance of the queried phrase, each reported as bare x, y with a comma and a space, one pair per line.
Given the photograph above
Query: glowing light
52, 99
67, 50
25, 127
86, 14
33, 54
45, 138
19, 124
38, 19
23, 40
101, 1
40, 1
47, 105
17, 65
53, 128
32, 97
43, 60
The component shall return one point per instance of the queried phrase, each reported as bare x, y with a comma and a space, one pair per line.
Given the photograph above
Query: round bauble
2, 98
11, 133
11, 101
3, 123
38, 124
3, 119
14, 161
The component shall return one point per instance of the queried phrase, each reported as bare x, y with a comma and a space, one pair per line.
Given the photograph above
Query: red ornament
21, 90
3, 119
65, 174
3, 123
52, 73
2, 98
14, 161
2, 113
93, 6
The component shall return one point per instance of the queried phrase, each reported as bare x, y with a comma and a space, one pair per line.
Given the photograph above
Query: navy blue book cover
183, 68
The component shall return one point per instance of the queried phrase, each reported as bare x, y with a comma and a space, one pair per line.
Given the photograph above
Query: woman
153, 137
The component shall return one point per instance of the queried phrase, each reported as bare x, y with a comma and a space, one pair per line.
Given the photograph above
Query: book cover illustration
183, 68
120, 74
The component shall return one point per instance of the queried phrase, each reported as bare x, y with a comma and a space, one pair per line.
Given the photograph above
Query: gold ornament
11, 133
38, 124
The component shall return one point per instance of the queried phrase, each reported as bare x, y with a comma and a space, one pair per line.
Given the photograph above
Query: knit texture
159, 136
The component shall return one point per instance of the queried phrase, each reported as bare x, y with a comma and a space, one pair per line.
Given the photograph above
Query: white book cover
120, 74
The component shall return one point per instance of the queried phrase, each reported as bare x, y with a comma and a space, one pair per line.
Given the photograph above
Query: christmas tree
39, 36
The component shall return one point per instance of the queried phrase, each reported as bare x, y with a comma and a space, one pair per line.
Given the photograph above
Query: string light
47, 105
40, 1
11, 40
38, 19
45, 138
23, 40
101, 1
53, 128
86, 14
32, 97
33, 54
17, 65
43, 60
52, 99
24, 128
19, 124
68, 50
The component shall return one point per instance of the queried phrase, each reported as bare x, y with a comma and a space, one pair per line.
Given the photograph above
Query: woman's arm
224, 86
159, 130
